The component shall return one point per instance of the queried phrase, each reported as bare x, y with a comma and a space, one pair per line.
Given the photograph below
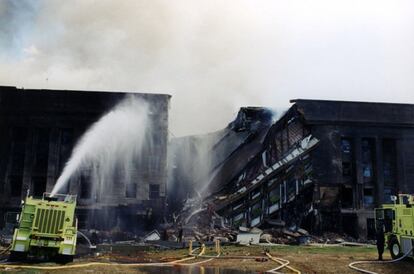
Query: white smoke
212, 56
113, 144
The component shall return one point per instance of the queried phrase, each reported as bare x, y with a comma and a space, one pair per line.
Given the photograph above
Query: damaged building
323, 166
196, 159
38, 130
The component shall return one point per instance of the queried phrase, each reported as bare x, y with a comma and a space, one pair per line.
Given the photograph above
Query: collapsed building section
38, 130
196, 160
275, 185
323, 166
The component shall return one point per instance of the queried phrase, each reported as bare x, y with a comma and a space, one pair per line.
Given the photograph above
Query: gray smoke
212, 56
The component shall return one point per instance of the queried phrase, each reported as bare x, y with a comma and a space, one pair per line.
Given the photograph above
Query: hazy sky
213, 56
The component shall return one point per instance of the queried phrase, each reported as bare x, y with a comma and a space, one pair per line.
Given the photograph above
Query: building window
131, 190
347, 160
346, 169
346, 146
390, 168
388, 192
238, 220
368, 196
256, 210
154, 191
347, 197
291, 188
274, 196
368, 156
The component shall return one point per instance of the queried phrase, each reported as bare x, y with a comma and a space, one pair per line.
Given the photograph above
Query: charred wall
364, 157
38, 130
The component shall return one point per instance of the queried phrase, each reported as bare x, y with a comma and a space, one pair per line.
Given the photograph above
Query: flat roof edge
78, 90
348, 102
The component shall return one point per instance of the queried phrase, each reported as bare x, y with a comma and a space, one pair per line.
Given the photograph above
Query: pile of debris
301, 236
286, 236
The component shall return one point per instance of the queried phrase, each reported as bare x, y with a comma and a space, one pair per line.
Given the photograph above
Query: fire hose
352, 265
176, 262
283, 262
5, 250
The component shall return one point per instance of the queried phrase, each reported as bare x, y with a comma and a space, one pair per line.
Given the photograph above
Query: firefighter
380, 240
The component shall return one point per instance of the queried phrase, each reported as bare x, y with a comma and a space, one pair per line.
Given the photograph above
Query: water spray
111, 147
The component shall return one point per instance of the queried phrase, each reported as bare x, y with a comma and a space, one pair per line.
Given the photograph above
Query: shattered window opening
390, 162
256, 213
274, 196
388, 193
239, 219
348, 161
368, 159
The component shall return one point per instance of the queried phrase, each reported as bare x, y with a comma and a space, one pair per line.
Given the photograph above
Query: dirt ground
307, 259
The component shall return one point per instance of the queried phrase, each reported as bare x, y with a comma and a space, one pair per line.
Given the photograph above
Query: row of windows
270, 197
368, 159
369, 168
284, 192
85, 191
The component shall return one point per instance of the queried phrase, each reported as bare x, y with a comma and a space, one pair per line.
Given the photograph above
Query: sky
213, 56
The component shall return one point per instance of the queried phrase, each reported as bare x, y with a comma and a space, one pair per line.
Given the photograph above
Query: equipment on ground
397, 221
47, 228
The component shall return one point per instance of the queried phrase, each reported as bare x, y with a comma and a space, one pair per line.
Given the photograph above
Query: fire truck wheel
395, 248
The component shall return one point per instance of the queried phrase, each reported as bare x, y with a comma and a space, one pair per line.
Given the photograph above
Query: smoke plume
212, 56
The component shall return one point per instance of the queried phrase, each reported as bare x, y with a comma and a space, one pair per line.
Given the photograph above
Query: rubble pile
203, 224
